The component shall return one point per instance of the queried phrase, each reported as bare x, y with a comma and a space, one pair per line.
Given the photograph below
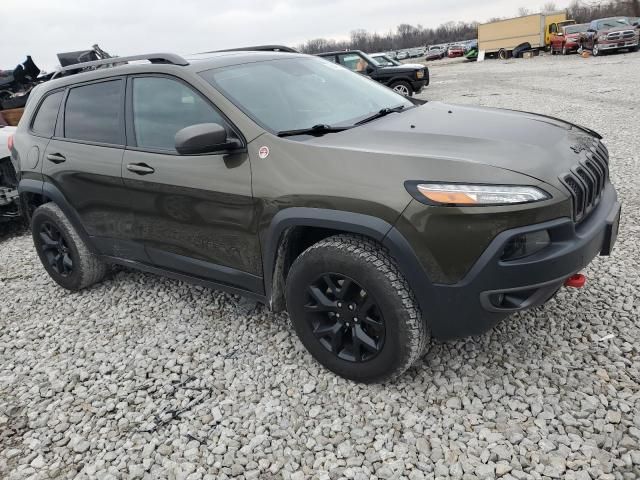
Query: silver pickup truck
9, 199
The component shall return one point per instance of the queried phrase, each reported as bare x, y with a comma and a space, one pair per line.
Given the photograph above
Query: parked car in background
404, 79
436, 53
385, 61
402, 55
9, 199
455, 51
567, 39
610, 35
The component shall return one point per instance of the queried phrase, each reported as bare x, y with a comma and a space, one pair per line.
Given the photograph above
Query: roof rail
261, 48
169, 58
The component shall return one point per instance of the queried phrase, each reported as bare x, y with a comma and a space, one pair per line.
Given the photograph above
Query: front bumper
495, 288
604, 46
418, 85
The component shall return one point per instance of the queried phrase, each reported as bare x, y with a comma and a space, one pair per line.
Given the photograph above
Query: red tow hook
576, 281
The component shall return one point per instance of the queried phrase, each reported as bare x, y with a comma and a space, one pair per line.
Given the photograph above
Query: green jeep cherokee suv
376, 220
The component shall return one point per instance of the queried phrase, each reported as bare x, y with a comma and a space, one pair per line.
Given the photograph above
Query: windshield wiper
381, 113
320, 129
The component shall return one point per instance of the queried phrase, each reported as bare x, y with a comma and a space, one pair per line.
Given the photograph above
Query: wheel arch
295, 229
34, 193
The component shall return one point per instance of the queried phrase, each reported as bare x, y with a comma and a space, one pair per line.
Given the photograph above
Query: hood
534, 145
623, 28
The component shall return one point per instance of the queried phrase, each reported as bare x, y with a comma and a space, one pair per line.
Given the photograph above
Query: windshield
384, 61
612, 23
576, 29
301, 92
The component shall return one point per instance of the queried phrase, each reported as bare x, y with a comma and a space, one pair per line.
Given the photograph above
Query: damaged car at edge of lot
9, 199
376, 220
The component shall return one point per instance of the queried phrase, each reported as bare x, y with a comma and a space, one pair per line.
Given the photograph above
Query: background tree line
407, 36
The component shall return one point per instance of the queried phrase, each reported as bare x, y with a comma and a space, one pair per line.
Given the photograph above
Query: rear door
41, 129
84, 161
194, 213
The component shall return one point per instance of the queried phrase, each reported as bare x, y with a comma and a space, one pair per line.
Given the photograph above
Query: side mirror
370, 69
203, 138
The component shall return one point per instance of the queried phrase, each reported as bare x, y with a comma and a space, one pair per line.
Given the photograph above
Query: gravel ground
143, 377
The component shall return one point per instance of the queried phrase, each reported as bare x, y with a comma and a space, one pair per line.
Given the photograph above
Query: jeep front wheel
354, 311
62, 252
403, 88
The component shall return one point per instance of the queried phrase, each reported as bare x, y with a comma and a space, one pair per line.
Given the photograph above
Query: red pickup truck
610, 34
567, 39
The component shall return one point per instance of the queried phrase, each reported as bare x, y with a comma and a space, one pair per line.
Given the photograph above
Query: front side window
162, 107
354, 62
93, 113
301, 92
45, 122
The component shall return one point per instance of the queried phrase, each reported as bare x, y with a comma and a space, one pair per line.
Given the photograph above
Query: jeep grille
587, 179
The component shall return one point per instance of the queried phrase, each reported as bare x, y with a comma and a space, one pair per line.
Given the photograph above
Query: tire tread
369, 251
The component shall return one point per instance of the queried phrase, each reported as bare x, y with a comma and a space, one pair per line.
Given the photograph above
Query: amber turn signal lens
449, 197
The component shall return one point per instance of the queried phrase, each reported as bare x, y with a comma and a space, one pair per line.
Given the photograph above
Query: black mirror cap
203, 138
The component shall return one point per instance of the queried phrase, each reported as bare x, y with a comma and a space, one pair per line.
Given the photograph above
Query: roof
339, 51
207, 61
194, 63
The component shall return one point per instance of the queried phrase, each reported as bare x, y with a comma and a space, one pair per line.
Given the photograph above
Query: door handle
140, 168
56, 158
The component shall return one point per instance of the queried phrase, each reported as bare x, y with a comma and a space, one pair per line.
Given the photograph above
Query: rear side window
162, 107
94, 113
45, 121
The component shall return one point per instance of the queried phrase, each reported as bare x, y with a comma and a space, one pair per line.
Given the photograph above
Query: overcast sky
42, 28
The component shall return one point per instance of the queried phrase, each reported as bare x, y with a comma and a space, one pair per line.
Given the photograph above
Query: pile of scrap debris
17, 84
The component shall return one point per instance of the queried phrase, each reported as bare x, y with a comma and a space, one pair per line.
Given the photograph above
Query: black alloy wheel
55, 249
345, 318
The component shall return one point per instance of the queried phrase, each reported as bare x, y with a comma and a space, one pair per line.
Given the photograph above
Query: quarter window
94, 113
45, 122
162, 107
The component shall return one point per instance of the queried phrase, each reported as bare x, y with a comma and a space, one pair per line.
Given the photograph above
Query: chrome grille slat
587, 179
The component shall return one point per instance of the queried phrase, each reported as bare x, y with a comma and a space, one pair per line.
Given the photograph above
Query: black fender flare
404, 79
349, 222
53, 194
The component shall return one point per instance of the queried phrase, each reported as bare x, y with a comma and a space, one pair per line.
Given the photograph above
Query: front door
194, 213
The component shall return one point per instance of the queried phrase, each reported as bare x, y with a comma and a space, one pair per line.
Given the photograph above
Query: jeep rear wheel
403, 88
354, 311
62, 252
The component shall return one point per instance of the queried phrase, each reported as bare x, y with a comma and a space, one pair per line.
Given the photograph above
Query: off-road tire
407, 334
87, 268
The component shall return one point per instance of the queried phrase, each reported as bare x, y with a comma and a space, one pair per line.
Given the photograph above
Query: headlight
420, 74
602, 38
468, 194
